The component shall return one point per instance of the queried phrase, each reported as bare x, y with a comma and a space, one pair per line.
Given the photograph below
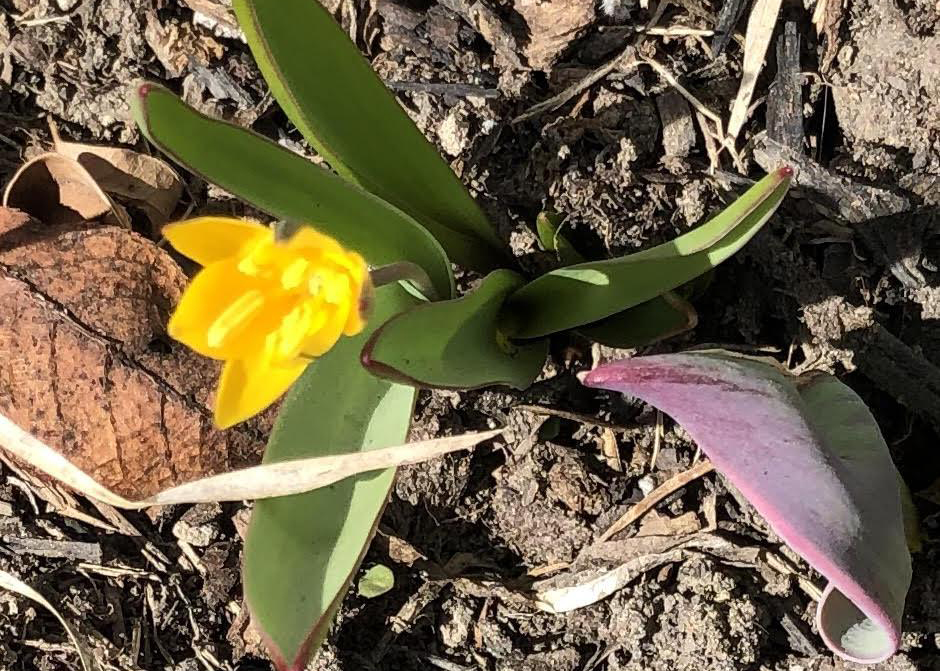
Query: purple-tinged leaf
807, 453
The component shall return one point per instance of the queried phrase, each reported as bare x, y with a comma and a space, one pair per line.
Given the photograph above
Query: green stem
404, 271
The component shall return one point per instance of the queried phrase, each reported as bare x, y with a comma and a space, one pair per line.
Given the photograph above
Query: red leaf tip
786, 171
144, 89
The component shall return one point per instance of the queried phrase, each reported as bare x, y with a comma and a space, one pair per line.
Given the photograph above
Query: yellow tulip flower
266, 307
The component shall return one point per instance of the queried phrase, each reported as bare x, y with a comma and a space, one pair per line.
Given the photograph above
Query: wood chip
785, 98
552, 27
624, 61
44, 547
852, 201
728, 16
678, 128
492, 28
611, 450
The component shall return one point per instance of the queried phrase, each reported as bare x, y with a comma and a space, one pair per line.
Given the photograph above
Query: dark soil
845, 279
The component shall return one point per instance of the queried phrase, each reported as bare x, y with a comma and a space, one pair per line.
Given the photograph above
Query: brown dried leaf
56, 189
143, 181
760, 28
86, 365
553, 25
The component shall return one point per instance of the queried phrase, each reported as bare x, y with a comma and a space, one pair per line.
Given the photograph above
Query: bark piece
852, 201
785, 98
728, 17
491, 27
678, 129
553, 25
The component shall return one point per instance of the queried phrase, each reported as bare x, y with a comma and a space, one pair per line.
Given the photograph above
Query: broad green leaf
548, 225
286, 185
376, 581
456, 343
644, 324
588, 292
301, 552
344, 110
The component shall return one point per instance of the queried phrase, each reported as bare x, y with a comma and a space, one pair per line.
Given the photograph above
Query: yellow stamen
234, 316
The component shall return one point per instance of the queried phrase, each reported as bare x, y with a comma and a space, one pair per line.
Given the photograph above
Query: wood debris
678, 127
671, 485
785, 98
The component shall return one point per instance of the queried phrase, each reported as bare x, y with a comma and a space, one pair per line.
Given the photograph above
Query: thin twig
672, 81
677, 31
671, 485
624, 60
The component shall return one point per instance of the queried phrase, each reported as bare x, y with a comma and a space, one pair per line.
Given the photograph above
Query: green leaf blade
286, 185
548, 226
301, 552
588, 292
644, 324
456, 344
344, 110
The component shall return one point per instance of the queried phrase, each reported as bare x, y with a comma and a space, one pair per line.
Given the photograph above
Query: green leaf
548, 225
588, 292
344, 110
302, 551
644, 324
456, 343
286, 185
376, 581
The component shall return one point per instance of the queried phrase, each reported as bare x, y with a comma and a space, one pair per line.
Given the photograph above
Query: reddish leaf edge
840, 583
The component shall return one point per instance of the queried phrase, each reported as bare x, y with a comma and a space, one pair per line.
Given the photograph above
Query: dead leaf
143, 181
86, 365
553, 25
760, 28
283, 478
56, 189
586, 584
113, 281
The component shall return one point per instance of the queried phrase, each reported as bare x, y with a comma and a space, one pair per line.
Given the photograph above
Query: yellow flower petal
319, 341
209, 239
307, 239
248, 386
215, 314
